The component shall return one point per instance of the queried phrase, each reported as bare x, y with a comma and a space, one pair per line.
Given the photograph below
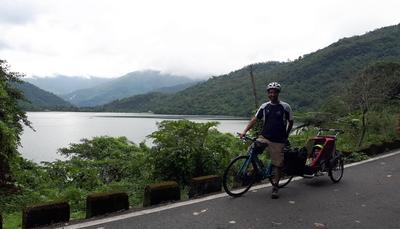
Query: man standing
277, 117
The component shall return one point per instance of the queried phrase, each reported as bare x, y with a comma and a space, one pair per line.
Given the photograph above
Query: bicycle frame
260, 168
247, 162
252, 157
244, 176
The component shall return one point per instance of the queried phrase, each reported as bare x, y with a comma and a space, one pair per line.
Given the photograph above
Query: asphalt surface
368, 196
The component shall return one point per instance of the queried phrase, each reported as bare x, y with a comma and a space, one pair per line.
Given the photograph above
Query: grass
13, 220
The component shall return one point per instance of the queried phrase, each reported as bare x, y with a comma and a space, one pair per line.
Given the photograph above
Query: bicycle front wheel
239, 176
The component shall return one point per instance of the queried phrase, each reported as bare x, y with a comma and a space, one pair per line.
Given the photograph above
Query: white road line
373, 159
189, 202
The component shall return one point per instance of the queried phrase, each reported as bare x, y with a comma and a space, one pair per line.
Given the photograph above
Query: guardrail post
204, 185
161, 192
103, 203
46, 214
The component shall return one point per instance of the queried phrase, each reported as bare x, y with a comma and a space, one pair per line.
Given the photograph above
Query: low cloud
4, 45
195, 38
17, 12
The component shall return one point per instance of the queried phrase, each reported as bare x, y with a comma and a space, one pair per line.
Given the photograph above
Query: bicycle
243, 171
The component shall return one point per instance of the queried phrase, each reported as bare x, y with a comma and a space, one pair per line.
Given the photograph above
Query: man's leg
278, 174
277, 157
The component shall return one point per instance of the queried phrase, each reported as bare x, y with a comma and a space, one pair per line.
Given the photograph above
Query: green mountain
40, 99
133, 83
307, 82
176, 88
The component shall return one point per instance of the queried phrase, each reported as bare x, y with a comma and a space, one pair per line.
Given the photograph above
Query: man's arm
252, 122
289, 111
289, 128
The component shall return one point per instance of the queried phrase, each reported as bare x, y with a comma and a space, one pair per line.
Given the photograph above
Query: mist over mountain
61, 84
138, 82
308, 82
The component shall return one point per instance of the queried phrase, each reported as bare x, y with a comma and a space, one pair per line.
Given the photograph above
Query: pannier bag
295, 160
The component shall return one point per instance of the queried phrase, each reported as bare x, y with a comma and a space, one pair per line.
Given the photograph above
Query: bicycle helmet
274, 85
318, 146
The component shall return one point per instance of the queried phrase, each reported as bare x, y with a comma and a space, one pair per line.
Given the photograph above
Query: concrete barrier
392, 145
46, 214
204, 185
378, 149
103, 203
161, 192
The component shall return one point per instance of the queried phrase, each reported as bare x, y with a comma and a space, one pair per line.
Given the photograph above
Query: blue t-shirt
275, 118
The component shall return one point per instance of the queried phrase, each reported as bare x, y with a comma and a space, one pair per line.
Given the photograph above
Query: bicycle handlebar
247, 138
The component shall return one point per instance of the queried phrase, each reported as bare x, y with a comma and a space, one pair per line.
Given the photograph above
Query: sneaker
274, 194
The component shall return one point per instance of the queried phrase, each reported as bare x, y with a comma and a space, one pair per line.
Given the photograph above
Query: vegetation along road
366, 197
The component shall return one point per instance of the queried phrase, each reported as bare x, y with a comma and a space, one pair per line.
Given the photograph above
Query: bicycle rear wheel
336, 167
239, 176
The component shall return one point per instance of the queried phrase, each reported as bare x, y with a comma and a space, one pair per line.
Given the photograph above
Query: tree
103, 159
179, 151
184, 149
11, 119
374, 86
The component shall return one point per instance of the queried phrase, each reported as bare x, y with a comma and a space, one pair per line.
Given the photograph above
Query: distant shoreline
151, 115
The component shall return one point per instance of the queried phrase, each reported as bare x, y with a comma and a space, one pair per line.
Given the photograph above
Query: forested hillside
307, 81
40, 99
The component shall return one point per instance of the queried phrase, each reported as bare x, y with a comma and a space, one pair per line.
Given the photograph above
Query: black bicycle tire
341, 165
224, 178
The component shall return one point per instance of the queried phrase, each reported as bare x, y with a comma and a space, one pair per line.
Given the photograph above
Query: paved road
367, 197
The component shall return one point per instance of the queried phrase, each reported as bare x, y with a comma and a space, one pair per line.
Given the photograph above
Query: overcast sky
186, 37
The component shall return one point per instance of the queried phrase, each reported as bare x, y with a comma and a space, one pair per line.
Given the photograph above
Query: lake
55, 130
